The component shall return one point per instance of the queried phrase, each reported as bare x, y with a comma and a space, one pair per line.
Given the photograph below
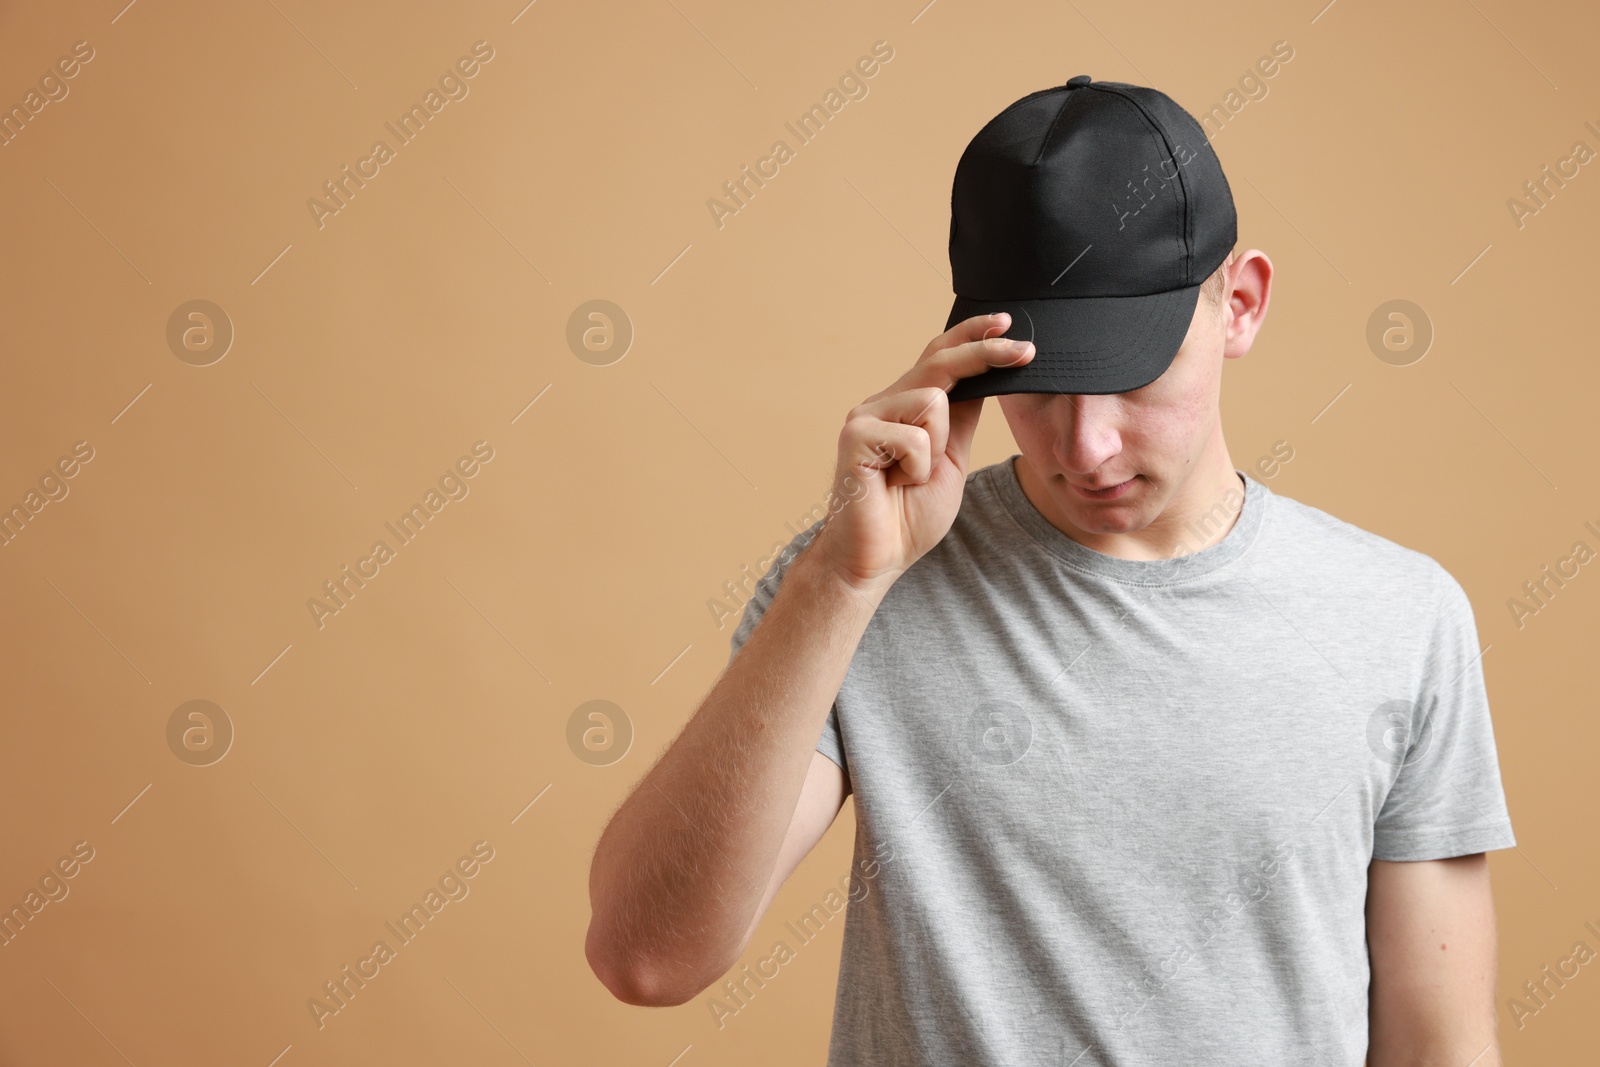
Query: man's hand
1431, 941
921, 443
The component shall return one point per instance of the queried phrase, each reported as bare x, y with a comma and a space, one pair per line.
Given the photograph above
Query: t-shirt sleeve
1447, 798
829, 744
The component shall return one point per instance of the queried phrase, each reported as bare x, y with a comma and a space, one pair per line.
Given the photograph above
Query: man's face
1151, 438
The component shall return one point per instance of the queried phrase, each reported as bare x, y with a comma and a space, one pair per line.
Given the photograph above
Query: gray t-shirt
1117, 812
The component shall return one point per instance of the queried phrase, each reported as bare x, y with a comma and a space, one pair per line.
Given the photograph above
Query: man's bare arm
683, 871
1431, 940
688, 863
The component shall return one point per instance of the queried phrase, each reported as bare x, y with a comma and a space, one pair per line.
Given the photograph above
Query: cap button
1078, 81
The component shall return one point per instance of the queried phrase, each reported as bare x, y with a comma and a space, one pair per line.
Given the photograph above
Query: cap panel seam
1018, 103
1184, 225
976, 139
1066, 100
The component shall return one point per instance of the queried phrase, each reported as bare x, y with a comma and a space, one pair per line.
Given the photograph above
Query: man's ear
1246, 293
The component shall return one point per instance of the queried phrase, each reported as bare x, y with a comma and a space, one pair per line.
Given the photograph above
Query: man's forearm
683, 865
1431, 940
1431, 1049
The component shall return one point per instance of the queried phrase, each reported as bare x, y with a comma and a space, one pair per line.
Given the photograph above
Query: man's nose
1091, 435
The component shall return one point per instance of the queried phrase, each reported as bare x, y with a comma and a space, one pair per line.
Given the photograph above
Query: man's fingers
969, 329
902, 450
962, 351
969, 358
904, 428
926, 407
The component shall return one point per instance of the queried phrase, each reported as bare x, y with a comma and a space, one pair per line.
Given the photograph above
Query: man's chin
1097, 521
1112, 517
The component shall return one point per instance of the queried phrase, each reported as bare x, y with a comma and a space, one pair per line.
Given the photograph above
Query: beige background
369, 354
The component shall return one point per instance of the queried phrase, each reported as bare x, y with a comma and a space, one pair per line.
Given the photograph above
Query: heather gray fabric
1119, 812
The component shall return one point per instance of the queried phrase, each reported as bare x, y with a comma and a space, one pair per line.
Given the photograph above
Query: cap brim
1096, 344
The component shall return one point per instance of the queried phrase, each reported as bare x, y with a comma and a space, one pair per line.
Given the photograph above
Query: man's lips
1108, 492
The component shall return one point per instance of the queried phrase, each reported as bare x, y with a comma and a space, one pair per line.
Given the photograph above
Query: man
1152, 764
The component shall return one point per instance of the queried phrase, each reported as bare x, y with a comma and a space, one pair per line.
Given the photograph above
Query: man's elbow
633, 980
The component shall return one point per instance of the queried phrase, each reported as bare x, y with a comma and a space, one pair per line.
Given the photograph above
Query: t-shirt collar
1136, 571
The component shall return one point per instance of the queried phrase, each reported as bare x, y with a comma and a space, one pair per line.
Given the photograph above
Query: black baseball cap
1092, 212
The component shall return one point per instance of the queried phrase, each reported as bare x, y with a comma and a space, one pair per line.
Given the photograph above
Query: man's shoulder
1323, 540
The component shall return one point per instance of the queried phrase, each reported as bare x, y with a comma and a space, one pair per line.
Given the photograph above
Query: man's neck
1199, 514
